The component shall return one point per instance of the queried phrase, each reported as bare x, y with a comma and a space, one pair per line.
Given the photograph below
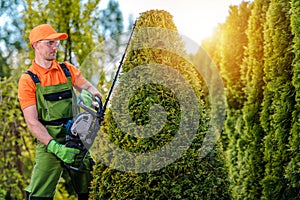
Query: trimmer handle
99, 102
100, 111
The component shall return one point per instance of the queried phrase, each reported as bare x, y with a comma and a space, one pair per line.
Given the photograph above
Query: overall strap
33, 76
65, 69
37, 80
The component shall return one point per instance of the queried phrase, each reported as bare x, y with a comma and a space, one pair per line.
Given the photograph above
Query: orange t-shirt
52, 76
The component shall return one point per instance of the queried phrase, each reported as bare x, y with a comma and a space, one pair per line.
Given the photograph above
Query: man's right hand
86, 97
66, 154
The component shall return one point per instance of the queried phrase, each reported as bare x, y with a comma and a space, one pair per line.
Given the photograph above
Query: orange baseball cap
45, 32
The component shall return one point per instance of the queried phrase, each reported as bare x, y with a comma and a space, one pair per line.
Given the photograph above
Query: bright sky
195, 19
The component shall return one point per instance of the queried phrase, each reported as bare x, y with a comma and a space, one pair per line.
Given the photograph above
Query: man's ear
34, 45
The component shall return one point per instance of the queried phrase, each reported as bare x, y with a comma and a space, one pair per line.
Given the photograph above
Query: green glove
64, 153
86, 97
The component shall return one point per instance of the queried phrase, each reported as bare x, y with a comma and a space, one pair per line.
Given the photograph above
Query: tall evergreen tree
209, 55
253, 166
233, 43
232, 47
279, 95
188, 177
292, 169
212, 45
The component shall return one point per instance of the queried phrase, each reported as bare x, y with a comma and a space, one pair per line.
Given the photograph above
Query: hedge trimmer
84, 127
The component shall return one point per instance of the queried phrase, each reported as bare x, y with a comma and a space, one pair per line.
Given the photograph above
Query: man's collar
43, 70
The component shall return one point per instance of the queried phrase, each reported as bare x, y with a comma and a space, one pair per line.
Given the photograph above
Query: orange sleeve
26, 91
77, 79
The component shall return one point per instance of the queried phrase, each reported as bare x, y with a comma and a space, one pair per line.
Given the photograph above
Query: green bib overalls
56, 105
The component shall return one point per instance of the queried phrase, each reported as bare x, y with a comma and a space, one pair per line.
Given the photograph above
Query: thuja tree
208, 55
232, 47
292, 169
156, 44
253, 166
279, 98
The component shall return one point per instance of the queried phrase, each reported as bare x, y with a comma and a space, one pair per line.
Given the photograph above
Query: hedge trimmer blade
83, 129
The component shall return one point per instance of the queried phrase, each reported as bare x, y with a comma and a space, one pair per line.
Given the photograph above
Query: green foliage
232, 47
232, 50
212, 48
10, 37
292, 169
188, 177
253, 165
262, 122
279, 98
16, 145
63, 188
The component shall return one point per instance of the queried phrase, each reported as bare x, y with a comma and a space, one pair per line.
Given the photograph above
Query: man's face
47, 49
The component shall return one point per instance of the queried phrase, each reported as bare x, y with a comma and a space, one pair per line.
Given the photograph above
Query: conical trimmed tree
163, 163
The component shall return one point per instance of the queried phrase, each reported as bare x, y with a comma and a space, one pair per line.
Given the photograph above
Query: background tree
209, 47
279, 99
96, 64
232, 48
16, 145
109, 17
292, 169
10, 35
253, 134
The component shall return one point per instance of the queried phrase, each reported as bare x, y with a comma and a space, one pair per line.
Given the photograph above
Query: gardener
48, 102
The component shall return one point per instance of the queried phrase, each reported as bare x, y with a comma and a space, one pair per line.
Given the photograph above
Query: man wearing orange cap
48, 100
